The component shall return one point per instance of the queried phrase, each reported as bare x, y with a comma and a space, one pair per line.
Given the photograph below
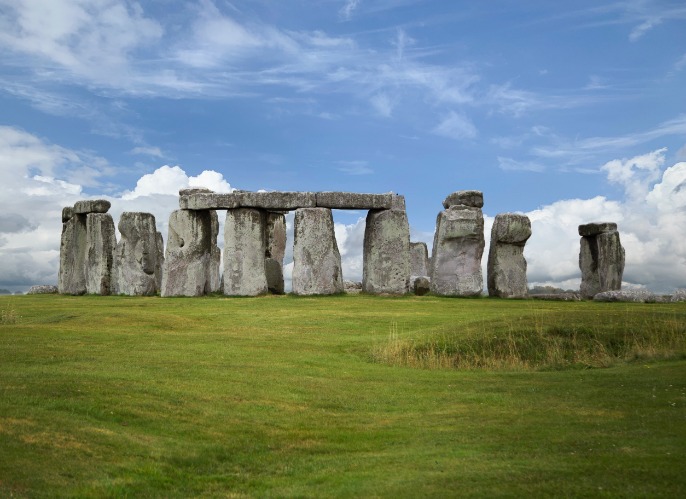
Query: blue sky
567, 111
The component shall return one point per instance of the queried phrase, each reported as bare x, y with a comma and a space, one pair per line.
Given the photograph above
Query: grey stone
474, 199
629, 296
354, 201
398, 202
506, 262
187, 191
421, 284
601, 260
419, 259
67, 213
137, 263
243, 199
160, 260
457, 251
593, 229
386, 257
215, 256
352, 287
679, 295
276, 236
244, 252
557, 296
316, 260
92, 206
73, 249
187, 269
42, 289
101, 240
274, 270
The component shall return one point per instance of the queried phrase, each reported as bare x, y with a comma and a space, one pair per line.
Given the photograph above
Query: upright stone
316, 259
419, 259
458, 247
73, 249
276, 249
244, 252
601, 259
160, 260
216, 256
506, 262
386, 258
136, 269
102, 242
187, 263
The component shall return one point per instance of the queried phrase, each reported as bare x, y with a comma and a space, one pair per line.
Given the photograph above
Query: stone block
506, 263
601, 260
136, 269
244, 252
92, 206
73, 250
419, 259
593, 229
386, 257
354, 201
101, 240
474, 199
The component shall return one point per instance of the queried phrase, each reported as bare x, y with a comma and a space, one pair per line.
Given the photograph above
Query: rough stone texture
73, 249
352, 287
601, 259
630, 296
244, 252
42, 289
557, 297
419, 259
187, 191
354, 201
137, 263
457, 251
506, 262
316, 261
386, 257
188, 258
91, 206
244, 199
679, 295
160, 260
475, 199
274, 270
276, 249
67, 213
101, 240
216, 256
421, 285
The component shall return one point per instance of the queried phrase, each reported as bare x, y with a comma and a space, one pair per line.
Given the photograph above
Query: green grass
287, 396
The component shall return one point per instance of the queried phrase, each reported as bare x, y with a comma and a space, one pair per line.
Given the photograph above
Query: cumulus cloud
169, 179
456, 126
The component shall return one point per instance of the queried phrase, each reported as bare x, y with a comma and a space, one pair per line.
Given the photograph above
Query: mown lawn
287, 396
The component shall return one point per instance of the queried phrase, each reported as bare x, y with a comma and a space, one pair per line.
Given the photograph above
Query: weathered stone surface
457, 251
398, 202
419, 259
316, 260
101, 240
137, 263
352, 287
188, 259
67, 213
474, 199
679, 295
73, 249
160, 260
215, 257
244, 252
386, 258
274, 270
354, 201
629, 296
244, 199
187, 191
91, 206
506, 262
557, 296
593, 229
421, 285
601, 260
42, 289
276, 236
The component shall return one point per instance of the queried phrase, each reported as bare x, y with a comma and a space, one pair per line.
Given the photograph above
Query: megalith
244, 252
386, 252
137, 266
458, 246
506, 263
215, 255
419, 259
187, 265
601, 258
316, 260
276, 249
101, 239
73, 248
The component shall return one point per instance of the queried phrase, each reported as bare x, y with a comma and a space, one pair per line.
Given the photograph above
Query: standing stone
187, 263
102, 242
506, 262
386, 259
215, 256
419, 259
160, 260
458, 248
276, 249
136, 269
73, 249
601, 259
244, 252
316, 261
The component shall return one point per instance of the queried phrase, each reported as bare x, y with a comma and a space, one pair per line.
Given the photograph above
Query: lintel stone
593, 229
354, 201
243, 199
91, 206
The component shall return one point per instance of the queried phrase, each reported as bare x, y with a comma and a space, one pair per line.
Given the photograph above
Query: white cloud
355, 167
509, 164
347, 10
148, 151
456, 126
169, 179
382, 104
644, 27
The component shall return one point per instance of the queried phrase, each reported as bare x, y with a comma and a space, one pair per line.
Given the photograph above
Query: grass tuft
9, 315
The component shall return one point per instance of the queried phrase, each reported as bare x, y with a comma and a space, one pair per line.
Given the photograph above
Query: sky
568, 112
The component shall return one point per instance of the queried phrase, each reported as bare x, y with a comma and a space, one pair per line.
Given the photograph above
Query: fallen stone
316, 260
136, 267
101, 240
629, 296
601, 259
73, 250
557, 296
457, 251
419, 259
421, 285
354, 201
42, 289
506, 263
386, 253
244, 252
92, 206
475, 199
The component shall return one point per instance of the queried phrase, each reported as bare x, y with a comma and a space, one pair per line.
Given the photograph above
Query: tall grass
540, 342
8, 315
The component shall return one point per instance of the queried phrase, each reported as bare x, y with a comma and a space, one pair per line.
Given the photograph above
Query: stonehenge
506, 271
601, 258
93, 262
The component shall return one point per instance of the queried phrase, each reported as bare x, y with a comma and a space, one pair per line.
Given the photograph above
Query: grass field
354, 396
